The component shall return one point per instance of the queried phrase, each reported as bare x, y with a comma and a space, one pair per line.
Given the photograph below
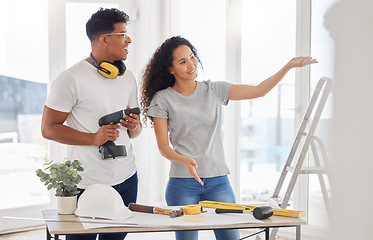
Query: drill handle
112, 118
115, 117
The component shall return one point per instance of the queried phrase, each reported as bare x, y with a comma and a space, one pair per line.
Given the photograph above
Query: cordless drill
109, 149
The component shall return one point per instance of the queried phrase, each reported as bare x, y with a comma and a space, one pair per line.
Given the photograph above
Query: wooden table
64, 228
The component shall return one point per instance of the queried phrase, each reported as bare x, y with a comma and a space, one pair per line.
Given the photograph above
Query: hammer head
176, 213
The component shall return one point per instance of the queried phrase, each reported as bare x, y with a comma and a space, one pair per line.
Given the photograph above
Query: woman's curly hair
156, 75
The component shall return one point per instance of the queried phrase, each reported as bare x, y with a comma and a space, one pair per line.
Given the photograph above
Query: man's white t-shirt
87, 96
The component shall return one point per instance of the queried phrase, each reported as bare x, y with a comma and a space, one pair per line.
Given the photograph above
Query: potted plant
64, 178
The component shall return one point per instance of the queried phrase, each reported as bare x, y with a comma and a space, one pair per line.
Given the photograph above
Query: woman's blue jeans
128, 192
186, 191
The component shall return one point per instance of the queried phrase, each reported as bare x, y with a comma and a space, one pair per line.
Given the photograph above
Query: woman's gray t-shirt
194, 126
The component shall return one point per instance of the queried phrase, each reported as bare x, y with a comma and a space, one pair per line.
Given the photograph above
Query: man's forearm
67, 135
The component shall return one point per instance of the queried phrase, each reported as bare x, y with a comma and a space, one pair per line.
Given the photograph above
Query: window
267, 124
205, 31
24, 73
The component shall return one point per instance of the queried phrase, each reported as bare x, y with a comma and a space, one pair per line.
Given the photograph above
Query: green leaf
75, 193
65, 181
64, 168
58, 191
75, 163
39, 172
58, 176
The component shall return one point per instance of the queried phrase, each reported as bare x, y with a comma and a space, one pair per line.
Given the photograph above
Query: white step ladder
303, 140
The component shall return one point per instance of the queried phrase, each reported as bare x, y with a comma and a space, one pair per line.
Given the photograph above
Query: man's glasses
124, 34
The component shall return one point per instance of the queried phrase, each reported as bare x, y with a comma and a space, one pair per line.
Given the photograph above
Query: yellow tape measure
192, 213
192, 209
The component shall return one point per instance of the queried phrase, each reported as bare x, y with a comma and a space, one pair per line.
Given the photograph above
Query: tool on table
192, 209
263, 212
109, 149
192, 213
260, 213
250, 208
155, 210
223, 210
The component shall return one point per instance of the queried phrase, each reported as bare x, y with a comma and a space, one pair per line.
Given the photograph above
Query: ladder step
275, 202
308, 170
313, 170
290, 169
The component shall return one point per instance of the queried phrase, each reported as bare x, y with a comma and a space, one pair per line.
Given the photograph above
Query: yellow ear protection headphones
108, 69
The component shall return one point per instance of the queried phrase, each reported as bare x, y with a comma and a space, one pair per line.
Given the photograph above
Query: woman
188, 115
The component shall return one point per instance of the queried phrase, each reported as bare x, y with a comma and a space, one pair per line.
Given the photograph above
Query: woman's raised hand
301, 61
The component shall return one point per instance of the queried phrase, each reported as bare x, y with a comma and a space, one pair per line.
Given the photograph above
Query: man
85, 92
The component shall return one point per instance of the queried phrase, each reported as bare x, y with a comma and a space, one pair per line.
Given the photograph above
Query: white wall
149, 19
350, 23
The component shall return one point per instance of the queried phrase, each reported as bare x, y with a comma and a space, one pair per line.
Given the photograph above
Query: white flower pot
66, 205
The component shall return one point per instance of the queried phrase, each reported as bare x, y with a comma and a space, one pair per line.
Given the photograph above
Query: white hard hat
101, 201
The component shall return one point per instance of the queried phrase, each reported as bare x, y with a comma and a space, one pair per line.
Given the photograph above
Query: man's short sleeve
63, 93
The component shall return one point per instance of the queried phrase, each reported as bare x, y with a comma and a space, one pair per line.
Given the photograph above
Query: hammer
155, 210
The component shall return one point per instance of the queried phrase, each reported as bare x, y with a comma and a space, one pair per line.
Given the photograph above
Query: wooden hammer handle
149, 209
162, 211
140, 208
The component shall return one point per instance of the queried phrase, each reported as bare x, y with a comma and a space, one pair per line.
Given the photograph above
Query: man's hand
131, 122
106, 133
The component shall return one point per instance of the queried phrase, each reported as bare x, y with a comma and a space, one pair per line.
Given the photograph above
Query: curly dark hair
156, 75
103, 21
